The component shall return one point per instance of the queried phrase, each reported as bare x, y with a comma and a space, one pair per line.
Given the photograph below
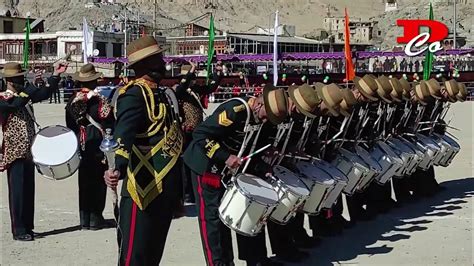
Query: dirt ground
434, 231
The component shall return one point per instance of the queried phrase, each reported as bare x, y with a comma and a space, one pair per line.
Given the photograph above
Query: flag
275, 51
210, 48
350, 73
26, 46
85, 34
428, 64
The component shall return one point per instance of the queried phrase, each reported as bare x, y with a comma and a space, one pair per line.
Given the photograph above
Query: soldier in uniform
215, 145
192, 100
18, 128
88, 114
150, 138
286, 239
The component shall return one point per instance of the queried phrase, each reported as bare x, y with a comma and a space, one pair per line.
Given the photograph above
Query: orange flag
350, 73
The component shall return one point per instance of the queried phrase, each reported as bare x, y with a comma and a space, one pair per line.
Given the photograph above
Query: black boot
85, 218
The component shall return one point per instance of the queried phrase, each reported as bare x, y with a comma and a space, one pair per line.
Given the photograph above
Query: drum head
54, 145
352, 157
291, 180
365, 155
314, 172
256, 188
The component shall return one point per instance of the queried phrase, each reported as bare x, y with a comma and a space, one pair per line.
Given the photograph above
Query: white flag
275, 51
85, 34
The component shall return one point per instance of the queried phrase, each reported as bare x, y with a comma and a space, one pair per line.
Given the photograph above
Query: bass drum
247, 204
292, 193
319, 183
55, 151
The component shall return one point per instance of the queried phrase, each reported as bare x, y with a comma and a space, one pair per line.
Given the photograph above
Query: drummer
286, 239
17, 118
215, 145
88, 114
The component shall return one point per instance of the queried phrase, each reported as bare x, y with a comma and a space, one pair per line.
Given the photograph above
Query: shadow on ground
399, 222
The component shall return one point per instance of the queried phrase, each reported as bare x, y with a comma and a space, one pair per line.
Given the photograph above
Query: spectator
410, 66
417, 66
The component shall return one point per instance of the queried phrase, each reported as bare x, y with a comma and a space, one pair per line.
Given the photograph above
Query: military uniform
214, 140
150, 145
192, 101
18, 131
88, 114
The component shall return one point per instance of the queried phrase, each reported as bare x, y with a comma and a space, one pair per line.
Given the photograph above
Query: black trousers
21, 195
216, 237
423, 183
92, 188
283, 237
142, 233
55, 94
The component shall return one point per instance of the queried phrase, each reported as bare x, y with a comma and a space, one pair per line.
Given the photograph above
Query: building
391, 5
46, 48
9, 24
362, 32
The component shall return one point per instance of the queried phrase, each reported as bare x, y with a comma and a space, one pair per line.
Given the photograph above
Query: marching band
257, 164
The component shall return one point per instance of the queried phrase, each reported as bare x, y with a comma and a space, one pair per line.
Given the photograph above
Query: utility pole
154, 19
454, 26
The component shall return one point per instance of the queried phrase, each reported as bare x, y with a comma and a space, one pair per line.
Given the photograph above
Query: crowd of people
169, 152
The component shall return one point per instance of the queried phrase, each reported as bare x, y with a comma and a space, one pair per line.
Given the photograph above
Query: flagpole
275, 51
454, 26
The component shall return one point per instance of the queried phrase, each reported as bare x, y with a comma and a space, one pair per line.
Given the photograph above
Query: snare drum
247, 204
452, 151
319, 183
341, 183
292, 192
374, 166
389, 161
431, 151
417, 158
353, 167
405, 153
444, 148
55, 151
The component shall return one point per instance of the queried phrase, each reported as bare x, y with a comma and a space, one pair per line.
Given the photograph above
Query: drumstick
255, 152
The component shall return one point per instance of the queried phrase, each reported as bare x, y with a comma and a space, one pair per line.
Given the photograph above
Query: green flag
26, 46
210, 48
428, 65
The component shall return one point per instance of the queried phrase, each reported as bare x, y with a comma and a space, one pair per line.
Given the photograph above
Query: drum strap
95, 123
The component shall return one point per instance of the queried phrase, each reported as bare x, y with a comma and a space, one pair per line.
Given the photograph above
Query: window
380, 32
8, 26
102, 47
53, 48
117, 50
68, 45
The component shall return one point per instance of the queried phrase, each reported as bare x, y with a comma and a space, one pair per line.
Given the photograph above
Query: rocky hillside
242, 15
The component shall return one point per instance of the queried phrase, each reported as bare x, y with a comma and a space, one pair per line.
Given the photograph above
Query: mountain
244, 15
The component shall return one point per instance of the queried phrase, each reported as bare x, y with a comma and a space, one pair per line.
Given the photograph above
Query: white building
45, 48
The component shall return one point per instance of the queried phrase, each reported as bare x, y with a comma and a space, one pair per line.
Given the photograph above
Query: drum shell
453, 151
292, 192
417, 158
241, 213
374, 167
431, 151
288, 203
354, 169
341, 182
405, 153
444, 148
62, 171
319, 184
389, 161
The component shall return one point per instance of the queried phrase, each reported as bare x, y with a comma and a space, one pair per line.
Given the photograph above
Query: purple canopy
180, 59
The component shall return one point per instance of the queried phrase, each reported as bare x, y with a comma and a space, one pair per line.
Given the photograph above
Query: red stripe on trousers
132, 234
203, 223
